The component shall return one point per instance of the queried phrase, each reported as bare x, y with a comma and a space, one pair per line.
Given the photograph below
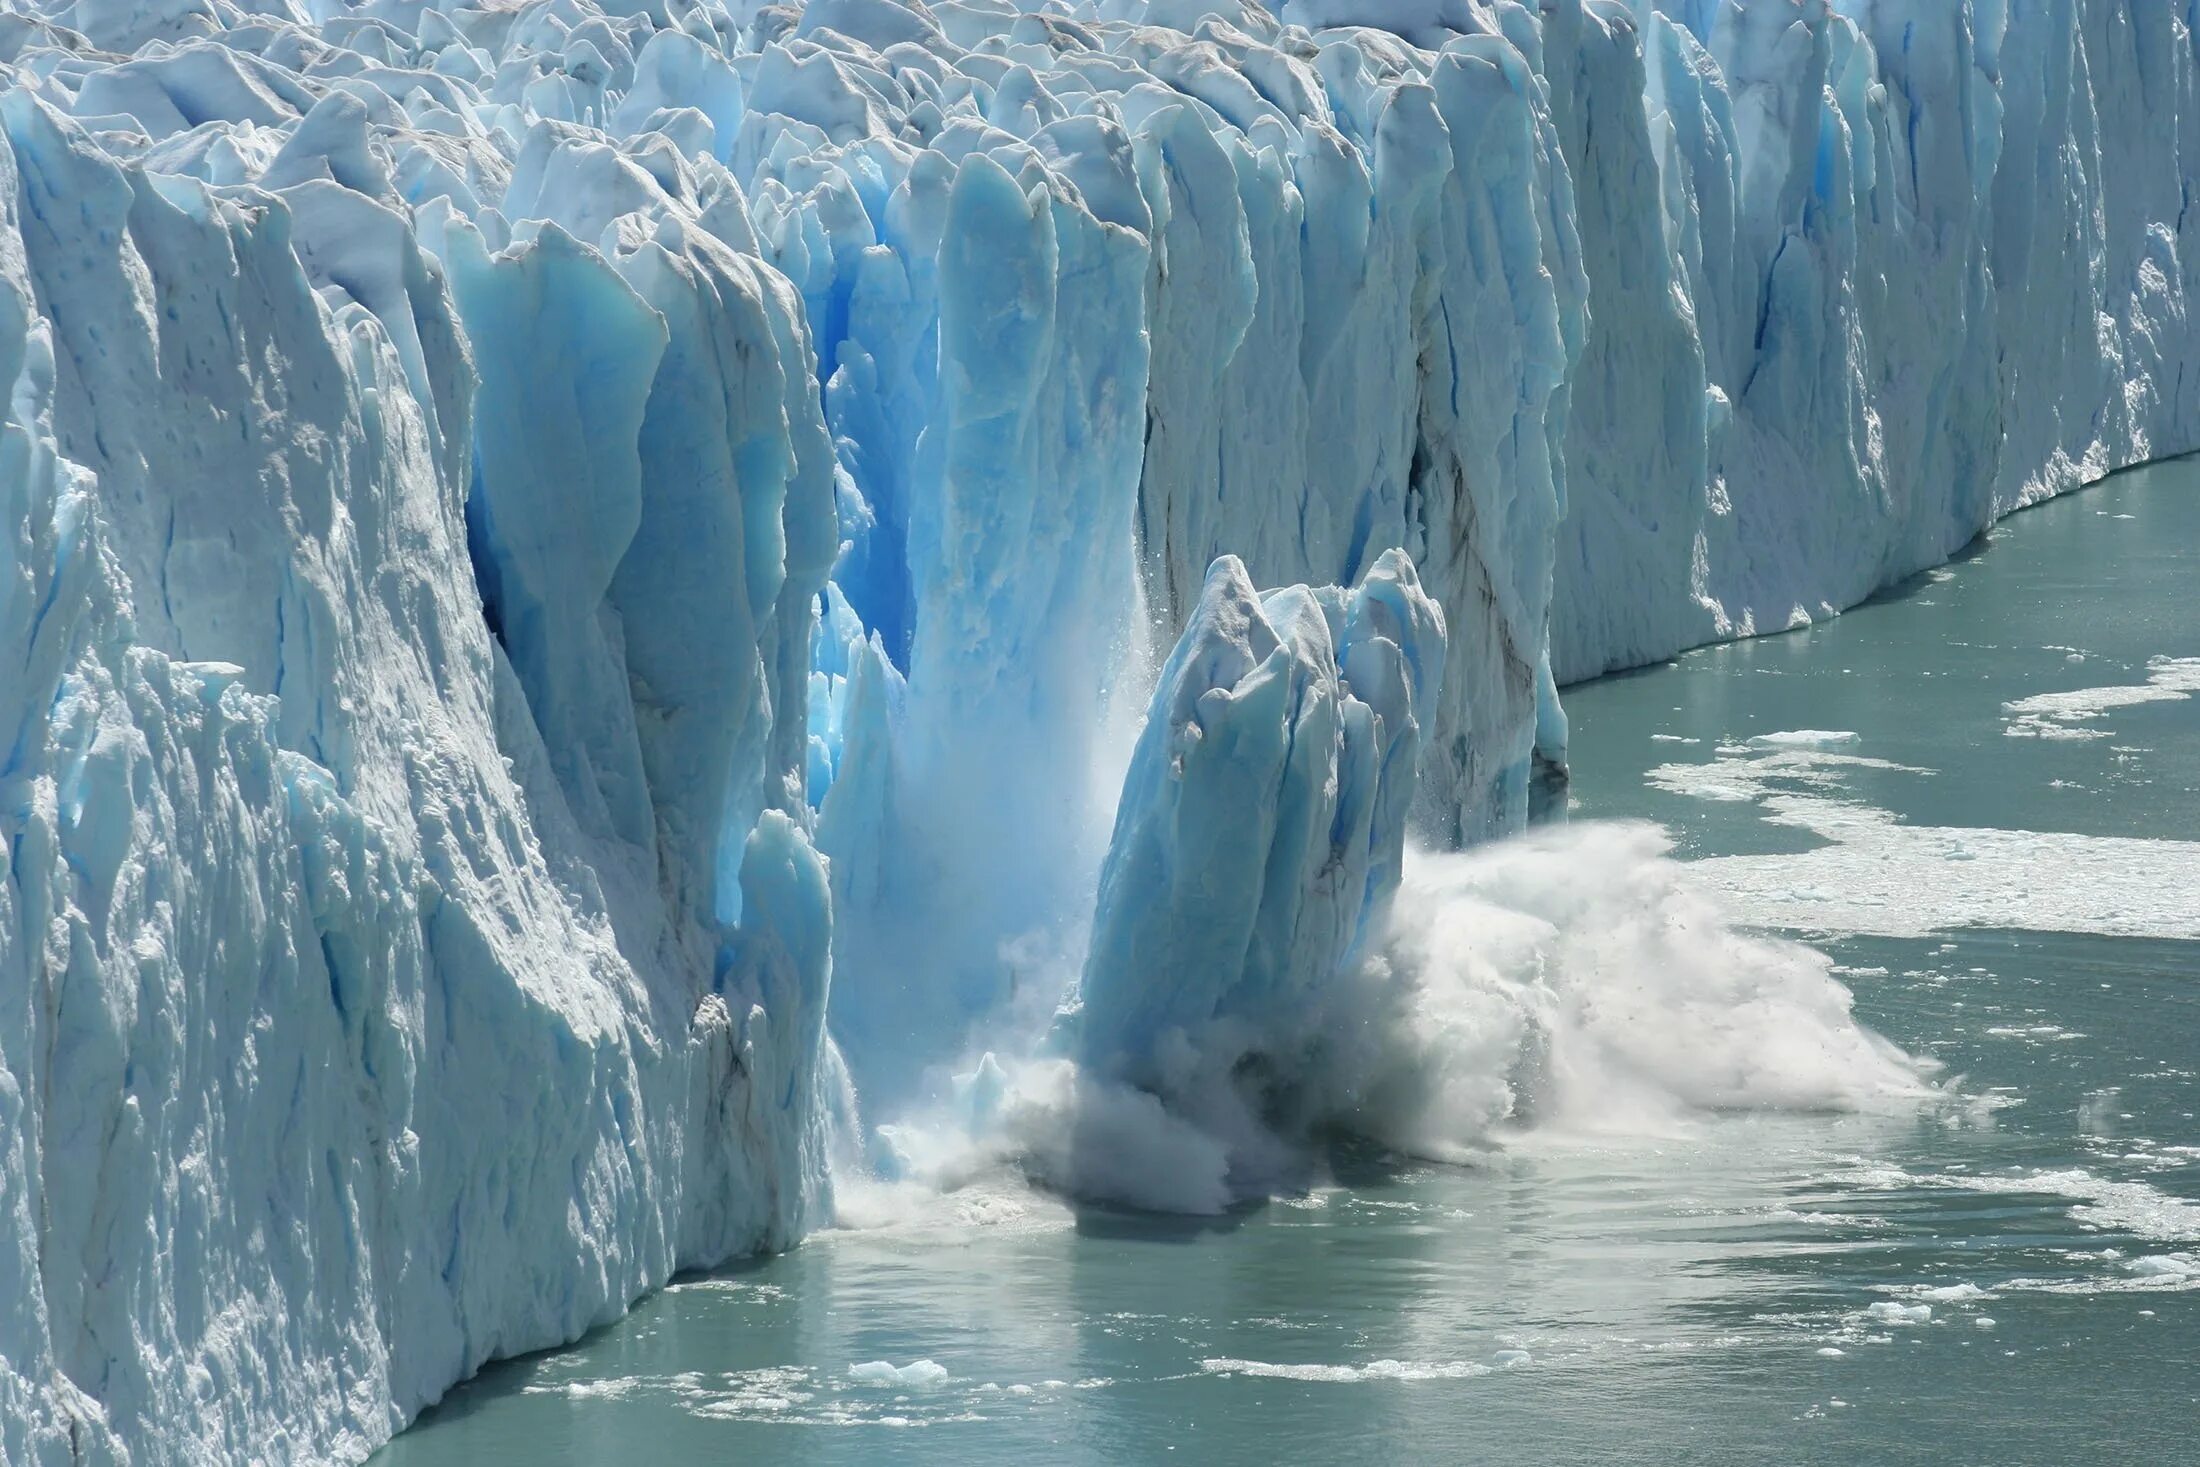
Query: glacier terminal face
579, 577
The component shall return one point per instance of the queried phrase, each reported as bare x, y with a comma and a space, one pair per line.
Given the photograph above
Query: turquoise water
2012, 1276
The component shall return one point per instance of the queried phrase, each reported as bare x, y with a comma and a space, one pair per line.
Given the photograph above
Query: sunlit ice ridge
618, 613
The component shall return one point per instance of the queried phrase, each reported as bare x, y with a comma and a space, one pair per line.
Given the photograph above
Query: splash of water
1570, 982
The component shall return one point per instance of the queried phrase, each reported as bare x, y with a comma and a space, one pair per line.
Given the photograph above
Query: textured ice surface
1886, 1311
496, 496
886, 1373
1262, 828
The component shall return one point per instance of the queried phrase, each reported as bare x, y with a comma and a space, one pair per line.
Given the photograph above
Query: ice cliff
568, 563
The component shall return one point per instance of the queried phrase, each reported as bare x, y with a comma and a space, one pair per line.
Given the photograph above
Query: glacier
602, 594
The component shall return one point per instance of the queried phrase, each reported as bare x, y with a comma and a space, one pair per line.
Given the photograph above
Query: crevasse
569, 564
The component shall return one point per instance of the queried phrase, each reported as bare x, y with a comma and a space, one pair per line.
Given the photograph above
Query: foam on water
2071, 714
1876, 874
1400, 1370
1804, 738
2097, 1203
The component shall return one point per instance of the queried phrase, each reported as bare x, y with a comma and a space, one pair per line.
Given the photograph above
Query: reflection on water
2011, 1276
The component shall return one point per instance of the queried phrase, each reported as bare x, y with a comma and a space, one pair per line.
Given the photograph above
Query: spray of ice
1571, 982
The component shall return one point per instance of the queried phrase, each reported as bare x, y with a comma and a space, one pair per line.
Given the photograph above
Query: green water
1705, 1298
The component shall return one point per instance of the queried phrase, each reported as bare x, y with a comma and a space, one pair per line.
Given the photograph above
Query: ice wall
399, 970
559, 553
1923, 266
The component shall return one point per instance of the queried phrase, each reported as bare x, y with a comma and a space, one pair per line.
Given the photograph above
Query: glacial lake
1975, 794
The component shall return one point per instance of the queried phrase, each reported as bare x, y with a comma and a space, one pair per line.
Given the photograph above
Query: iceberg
1262, 830
588, 583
